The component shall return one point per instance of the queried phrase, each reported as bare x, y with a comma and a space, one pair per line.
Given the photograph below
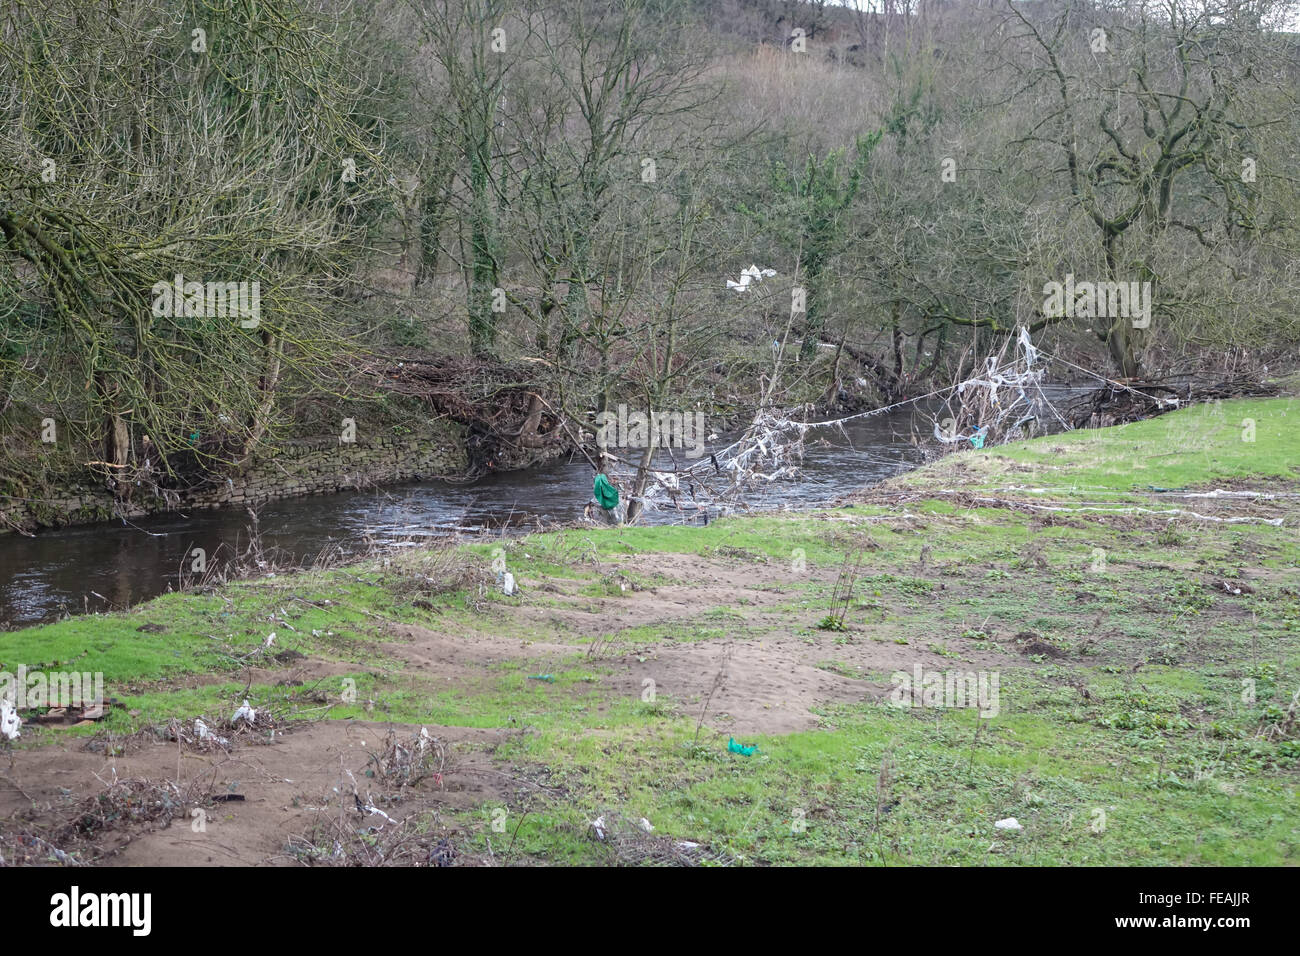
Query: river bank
1132, 590
281, 470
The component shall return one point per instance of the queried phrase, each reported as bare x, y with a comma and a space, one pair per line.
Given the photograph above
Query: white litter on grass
646, 825
1010, 823
270, 639
508, 584
9, 720
244, 713
598, 827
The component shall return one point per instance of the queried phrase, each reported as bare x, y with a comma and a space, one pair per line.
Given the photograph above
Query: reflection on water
116, 564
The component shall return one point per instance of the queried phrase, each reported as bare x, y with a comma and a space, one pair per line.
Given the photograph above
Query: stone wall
288, 470
328, 466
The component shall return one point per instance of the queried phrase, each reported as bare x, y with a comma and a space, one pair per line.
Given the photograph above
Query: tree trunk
483, 267
642, 479
117, 437
267, 386
1122, 345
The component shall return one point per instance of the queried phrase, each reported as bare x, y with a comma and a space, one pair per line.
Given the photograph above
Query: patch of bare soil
769, 681
764, 688
700, 584
230, 805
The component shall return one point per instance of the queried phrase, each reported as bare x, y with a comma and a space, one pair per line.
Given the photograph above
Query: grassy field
1133, 590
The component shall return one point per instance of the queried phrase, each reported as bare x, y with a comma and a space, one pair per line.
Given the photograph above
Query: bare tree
141, 144
1150, 110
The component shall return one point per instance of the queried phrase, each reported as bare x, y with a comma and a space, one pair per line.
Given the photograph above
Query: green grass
1188, 448
889, 786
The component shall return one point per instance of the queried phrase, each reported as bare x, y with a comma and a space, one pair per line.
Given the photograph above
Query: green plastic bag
606, 494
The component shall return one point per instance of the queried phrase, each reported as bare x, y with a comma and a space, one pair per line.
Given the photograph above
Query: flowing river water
116, 564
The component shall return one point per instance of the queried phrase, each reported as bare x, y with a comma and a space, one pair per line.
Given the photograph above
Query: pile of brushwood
510, 423
1118, 402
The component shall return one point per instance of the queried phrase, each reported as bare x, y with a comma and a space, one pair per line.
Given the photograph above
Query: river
116, 564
